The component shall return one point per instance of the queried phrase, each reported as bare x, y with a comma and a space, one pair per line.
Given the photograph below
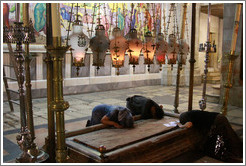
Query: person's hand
186, 125
118, 126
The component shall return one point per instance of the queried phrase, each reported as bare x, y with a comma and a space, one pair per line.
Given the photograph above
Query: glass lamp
99, 44
161, 49
148, 49
79, 43
173, 49
134, 48
184, 50
118, 46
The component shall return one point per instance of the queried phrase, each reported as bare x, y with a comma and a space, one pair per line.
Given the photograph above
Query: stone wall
89, 79
236, 92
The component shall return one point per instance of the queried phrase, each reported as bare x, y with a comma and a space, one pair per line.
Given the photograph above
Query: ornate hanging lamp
148, 49
118, 46
134, 45
173, 46
99, 44
79, 42
161, 45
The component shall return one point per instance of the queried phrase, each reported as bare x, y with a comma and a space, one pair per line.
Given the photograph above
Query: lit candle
56, 25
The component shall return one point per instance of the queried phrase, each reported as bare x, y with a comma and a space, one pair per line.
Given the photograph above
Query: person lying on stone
220, 140
145, 107
117, 116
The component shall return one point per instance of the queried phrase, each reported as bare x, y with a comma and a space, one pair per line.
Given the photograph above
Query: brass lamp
161, 49
134, 48
118, 46
148, 49
99, 44
173, 49
184, 50
79, 42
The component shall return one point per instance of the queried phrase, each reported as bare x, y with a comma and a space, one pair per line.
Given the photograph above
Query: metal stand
58, 105
179, 67
231, 58
202, 102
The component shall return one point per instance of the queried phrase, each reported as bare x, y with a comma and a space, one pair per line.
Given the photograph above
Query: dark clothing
117, 114
140, 105
220, 140
200, 119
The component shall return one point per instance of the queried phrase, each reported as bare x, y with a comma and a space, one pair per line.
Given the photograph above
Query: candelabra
25, 139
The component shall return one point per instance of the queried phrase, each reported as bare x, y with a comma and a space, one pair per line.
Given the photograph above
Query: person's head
157, 111
184, 117
125, 118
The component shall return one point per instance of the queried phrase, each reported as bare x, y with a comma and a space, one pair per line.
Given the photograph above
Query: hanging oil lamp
134, 44
118, 46
148, 49
172, 51
134, 48
184, 50
79, 43
99, 44
161, 49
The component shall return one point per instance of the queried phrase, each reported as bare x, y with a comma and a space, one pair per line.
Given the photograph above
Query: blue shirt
110, 111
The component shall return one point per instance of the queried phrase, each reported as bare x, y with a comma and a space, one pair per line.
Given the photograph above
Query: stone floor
82, 104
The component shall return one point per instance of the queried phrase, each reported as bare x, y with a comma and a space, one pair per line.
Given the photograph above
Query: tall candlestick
56, 24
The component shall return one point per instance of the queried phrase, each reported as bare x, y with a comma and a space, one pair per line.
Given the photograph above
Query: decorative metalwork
202, 102
183, 51
99, 44
79, 43
25, 139
148, 50
118, 46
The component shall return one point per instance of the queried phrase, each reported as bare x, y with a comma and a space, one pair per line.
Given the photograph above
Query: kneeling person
117, 116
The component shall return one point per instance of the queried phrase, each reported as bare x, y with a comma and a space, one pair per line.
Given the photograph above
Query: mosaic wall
142, 19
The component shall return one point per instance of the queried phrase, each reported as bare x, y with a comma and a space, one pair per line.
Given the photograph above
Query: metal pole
192, 55
202, 102
231, 58
176, 100
50, 140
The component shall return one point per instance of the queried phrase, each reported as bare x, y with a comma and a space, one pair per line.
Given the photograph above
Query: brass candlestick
231, 58
58, 105
50, 142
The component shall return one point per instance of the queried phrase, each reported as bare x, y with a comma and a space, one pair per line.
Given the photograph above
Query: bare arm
105, 120
186, 125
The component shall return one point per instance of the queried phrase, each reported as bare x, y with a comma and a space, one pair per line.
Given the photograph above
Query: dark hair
158, 110
184, 117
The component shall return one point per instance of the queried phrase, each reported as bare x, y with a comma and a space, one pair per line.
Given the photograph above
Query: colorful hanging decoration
99, 44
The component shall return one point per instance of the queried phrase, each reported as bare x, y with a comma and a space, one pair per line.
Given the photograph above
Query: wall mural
37, 12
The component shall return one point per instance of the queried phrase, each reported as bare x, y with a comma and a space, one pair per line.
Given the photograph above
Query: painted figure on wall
6, 14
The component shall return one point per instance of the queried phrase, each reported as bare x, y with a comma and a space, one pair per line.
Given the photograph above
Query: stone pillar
39, 67
68, 65
92, 68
